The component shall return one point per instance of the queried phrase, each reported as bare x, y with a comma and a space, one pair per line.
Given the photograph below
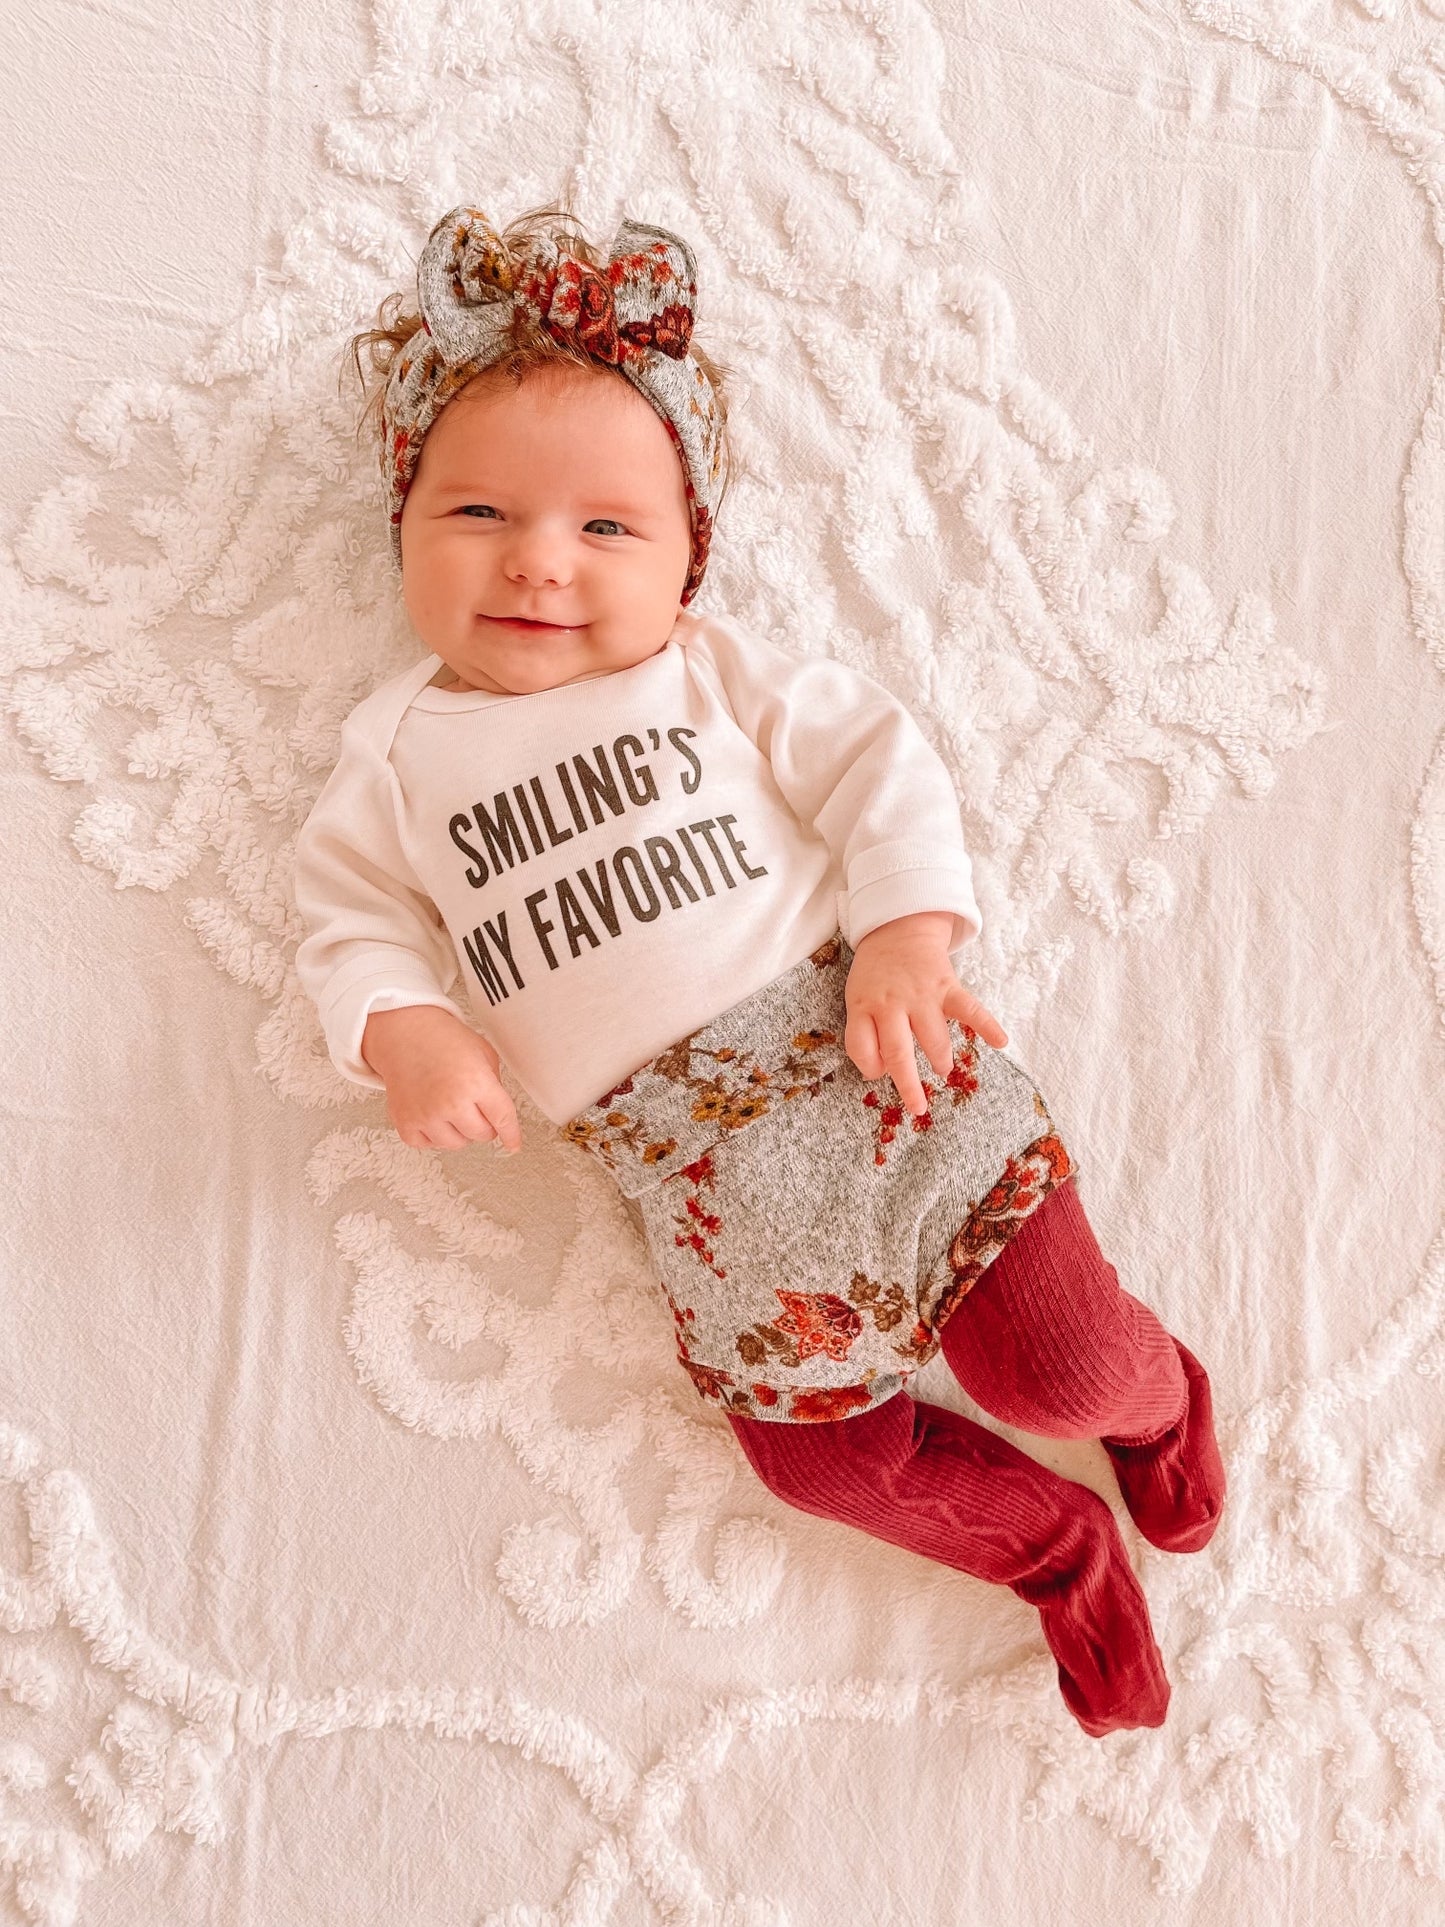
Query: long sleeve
375, 940
850, 760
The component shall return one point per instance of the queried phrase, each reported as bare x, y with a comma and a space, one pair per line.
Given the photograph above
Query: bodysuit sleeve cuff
904, 892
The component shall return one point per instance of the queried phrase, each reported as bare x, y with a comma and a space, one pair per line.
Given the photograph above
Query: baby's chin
509, 680
551, 664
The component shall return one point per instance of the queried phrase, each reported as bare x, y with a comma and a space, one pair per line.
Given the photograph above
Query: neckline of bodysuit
429, 696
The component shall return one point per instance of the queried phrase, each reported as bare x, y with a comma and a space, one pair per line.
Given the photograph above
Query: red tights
1049, 1341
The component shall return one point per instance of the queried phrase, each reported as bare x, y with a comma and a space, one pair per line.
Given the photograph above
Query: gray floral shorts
811, 1235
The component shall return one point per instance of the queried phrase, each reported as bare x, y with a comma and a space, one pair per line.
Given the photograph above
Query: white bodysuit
609, 864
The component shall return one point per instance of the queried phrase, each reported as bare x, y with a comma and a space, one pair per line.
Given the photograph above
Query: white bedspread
1087, 394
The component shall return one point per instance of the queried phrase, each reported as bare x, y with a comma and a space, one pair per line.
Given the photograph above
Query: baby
705, 896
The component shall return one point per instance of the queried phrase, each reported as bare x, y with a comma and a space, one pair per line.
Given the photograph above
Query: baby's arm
377, 962
851, 760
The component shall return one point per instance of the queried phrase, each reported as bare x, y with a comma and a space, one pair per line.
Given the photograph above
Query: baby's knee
1067, 1407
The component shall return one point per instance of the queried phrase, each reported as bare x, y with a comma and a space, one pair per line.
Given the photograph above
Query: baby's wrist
919, 926
389, 1033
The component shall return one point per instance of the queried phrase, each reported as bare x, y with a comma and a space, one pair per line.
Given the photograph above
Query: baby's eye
485, 508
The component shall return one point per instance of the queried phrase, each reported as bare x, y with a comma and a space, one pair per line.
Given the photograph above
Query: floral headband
636, 314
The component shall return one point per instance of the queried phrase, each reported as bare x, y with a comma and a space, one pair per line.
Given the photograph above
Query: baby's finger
963, 1005
930, 1027
507, 1127
860, 1040
897, 1040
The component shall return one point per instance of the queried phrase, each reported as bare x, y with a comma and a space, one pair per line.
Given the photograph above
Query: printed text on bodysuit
593, 787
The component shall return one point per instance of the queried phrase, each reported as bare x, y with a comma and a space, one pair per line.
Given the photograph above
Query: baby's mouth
526, 622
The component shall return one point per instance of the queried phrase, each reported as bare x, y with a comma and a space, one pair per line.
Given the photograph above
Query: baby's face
562, 499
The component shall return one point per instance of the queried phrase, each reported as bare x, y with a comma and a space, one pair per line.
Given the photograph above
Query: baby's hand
901, 984
442, 1086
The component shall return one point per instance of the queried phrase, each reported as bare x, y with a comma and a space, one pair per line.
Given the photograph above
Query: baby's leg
938, 1484
1049, 1340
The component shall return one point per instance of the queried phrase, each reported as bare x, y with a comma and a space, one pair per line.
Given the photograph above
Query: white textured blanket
1088, 395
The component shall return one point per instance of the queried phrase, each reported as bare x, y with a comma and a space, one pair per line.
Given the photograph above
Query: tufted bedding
1087, 393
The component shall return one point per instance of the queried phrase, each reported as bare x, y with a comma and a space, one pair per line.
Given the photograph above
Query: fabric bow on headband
635, 315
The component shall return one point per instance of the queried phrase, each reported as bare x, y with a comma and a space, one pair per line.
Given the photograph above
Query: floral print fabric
810, 1234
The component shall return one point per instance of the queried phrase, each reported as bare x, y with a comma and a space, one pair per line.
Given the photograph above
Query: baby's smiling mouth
529, 622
